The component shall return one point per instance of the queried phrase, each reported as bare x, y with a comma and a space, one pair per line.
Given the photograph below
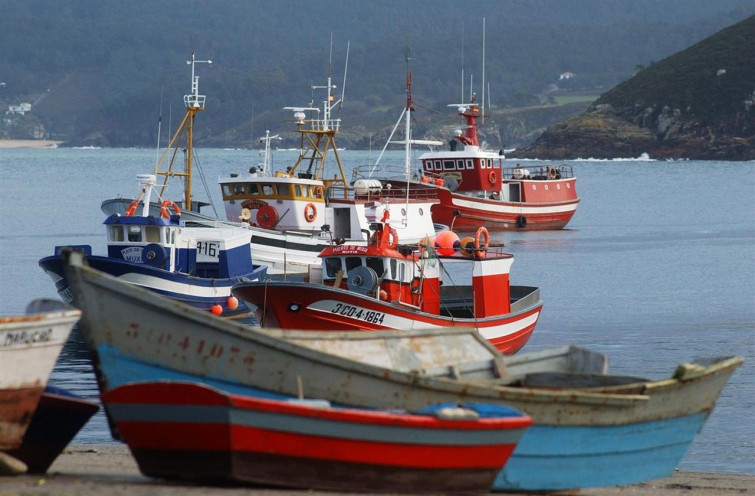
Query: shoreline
17, 143
110, 470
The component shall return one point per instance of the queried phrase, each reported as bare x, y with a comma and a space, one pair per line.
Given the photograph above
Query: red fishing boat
386, 285
189, 431
474, 188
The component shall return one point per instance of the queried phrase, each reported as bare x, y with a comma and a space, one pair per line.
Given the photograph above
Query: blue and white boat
158, 251
590, 428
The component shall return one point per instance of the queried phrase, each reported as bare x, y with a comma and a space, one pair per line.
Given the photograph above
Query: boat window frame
115, 234
152, 234
329, 265
134, 234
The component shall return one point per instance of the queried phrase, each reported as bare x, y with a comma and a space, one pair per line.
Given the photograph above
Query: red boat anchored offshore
385, 285
475, 189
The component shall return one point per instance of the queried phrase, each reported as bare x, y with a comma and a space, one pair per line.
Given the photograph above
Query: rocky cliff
696, 104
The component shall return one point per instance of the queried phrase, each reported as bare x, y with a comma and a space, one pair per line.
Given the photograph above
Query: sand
109, 470
28, 143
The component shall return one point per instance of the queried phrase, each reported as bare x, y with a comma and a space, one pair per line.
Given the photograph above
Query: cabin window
172, 237
227, 190
437, 165
297, 190
253, 189
134, 234
116, 233
449, 165
460, 164
394, 264
268, 189
470, 164
428, 165
238, 189
401, 271
376, 264
152, 234
352, 262
332, 266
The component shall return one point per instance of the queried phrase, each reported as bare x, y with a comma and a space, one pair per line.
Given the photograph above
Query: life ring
394, 239
481, 247
552, 172
521, 221
131, 210
310, 212
169, 204
267, 216
492, 177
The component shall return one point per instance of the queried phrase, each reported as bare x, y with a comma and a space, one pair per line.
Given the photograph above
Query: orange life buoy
310, 212
267, 216
169, 204
492, 177
394, 238
131, 210
481, 248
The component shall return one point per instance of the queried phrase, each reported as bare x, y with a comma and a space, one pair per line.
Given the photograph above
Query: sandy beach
28, 143
110, 470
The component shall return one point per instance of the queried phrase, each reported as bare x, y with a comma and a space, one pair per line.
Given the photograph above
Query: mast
183, 139
318, 137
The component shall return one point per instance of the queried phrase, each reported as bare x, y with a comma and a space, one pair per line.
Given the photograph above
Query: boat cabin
412, 275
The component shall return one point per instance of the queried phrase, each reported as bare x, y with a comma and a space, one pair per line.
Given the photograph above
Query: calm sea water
656, 267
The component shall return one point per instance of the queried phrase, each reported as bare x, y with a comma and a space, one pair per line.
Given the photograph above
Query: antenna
462, 61
343, 86
483, 70
159, 127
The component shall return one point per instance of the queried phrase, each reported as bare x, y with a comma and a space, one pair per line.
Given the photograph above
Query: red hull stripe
490, 431
203, 437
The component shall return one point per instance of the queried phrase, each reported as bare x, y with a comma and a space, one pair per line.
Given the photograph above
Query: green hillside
698, 103
96, 71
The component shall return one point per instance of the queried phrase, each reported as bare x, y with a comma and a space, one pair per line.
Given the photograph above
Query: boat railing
194, 101
539, 172
394, 190
324, 124
369, 171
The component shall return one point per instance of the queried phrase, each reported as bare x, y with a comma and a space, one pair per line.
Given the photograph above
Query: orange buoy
446, 242
232, 303
216, 309
466, 246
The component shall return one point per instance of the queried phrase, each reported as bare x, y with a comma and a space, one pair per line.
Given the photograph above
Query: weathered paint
137, 336
29, 346
411, 451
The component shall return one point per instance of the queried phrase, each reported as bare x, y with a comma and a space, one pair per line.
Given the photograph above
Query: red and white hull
550, 205
293, 305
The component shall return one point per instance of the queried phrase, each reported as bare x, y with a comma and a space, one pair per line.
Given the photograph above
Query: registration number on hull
358, 313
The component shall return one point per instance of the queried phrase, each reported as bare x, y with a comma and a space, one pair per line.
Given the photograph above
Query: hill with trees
698, 103
102, 72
